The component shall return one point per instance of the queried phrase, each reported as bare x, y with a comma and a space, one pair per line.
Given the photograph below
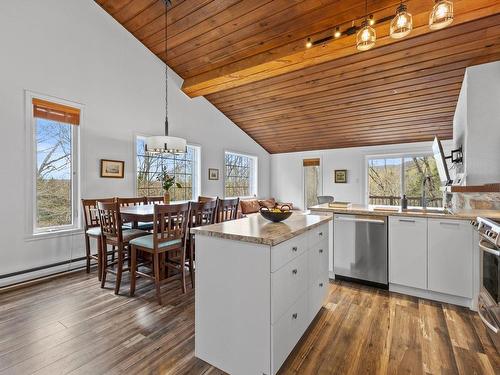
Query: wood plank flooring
69, 325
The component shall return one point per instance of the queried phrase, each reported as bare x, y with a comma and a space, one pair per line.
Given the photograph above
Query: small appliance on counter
489, 295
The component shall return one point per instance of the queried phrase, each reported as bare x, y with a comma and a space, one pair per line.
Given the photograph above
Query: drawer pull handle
446, 223
321, 285
294, 248
294, 271
295, 315
406, 221
321, 251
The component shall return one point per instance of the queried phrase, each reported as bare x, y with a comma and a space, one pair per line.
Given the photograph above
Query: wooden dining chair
155, 200
207, 199
227, 209
92, 229
201, 213
170, 226
137, 201
113, 234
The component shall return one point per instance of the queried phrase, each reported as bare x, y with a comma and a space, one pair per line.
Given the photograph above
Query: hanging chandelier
402, 23
165, 144
366, 37
441, 14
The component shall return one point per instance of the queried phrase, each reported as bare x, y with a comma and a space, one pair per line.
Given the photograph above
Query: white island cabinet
258, 286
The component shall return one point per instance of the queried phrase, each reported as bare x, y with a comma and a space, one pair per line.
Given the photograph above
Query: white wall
73, 50
287, 171
482, 141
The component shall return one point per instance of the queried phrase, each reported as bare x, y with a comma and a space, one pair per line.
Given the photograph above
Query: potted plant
167, 182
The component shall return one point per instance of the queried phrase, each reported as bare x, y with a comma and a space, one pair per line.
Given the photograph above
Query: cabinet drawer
450, 257
287, 284
284, 252
318, 262
286, 332
317, 295
317, 234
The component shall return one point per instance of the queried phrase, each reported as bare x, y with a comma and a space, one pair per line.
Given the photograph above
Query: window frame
401, 156
197, 167
31, 163
253, 175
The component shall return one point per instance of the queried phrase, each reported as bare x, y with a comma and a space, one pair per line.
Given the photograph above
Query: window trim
31, 161
254, 178
402, 156
196, 178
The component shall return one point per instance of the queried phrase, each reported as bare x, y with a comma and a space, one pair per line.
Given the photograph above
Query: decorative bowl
277, 214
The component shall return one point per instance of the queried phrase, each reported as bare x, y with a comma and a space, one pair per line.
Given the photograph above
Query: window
183, 167
312, 181
240, 175
391, 177
54, 135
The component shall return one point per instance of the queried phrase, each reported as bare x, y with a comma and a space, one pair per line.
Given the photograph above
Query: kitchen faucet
424, 198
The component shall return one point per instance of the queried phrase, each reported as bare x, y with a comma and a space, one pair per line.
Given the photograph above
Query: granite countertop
256, 229
357, 209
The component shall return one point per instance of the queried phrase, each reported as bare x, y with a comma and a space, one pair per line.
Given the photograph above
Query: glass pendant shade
401, 24
161, 144
366, 37
441, 14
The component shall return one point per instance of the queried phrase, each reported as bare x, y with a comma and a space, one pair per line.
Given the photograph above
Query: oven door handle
488, 249
485, 321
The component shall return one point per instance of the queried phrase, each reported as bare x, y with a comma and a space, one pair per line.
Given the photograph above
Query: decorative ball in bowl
276, 214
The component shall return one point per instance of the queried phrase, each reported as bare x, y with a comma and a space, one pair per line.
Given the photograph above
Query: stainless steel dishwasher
360, 249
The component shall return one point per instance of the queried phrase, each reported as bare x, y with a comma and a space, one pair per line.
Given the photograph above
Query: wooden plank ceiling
248, 58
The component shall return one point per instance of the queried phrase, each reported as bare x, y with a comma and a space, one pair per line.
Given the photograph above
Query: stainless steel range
489, 297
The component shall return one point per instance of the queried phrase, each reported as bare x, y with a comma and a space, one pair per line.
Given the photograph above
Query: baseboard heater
38, 269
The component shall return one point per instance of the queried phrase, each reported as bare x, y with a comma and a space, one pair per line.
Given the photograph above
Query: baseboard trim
435, 296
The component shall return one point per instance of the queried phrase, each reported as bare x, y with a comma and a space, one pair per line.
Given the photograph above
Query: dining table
143, 213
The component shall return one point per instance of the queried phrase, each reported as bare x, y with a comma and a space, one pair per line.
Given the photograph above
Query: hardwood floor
71, 325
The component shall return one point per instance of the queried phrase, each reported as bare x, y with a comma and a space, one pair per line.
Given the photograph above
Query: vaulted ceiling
248, 58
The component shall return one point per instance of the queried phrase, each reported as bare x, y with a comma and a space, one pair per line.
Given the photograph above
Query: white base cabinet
450, 257
432, 258
254, 302
408, 251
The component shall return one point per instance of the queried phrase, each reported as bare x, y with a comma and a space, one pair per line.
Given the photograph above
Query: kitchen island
258, 287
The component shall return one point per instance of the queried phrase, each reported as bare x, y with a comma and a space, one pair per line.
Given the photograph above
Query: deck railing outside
396, 201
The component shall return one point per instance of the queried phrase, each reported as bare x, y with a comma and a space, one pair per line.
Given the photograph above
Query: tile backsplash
477, 201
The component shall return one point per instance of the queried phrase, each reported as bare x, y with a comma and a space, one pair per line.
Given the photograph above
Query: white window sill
53, 234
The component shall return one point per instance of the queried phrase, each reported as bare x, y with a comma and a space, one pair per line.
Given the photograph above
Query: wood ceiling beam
288, 58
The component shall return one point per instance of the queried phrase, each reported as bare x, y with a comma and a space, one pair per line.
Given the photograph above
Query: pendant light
402, 23
441, 14
165, 144
366, 37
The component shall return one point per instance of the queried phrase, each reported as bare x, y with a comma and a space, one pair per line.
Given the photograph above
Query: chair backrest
110, 219
154, 200
325, 199
227, 209
202, 213
90, 214
207, 199
170, 223
126, 202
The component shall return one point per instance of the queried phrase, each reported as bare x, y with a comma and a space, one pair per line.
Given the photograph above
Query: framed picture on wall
112, 168
213, 174
340, 176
